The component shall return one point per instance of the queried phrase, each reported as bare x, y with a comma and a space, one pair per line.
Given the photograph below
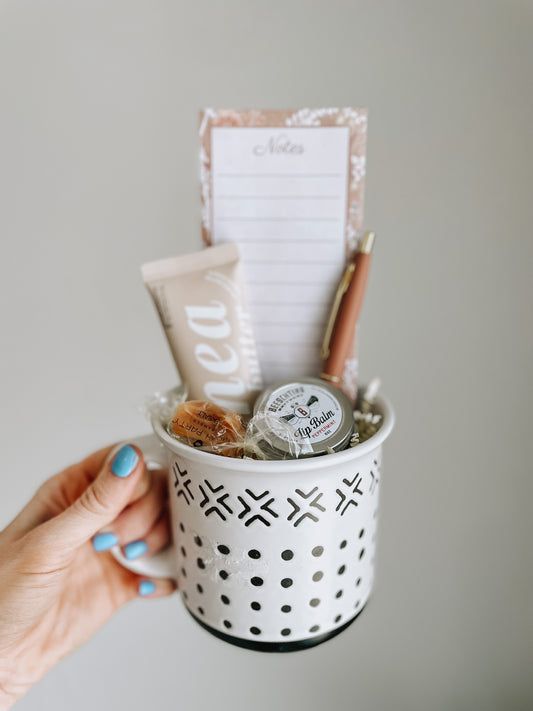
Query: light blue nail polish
104, 541
124, 461
135, 549
146, 587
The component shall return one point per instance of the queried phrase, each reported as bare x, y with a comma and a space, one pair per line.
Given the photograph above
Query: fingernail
146, 587
135, 549
104, 541
124, 461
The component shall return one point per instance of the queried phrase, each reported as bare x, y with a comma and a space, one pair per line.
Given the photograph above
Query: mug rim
282, 465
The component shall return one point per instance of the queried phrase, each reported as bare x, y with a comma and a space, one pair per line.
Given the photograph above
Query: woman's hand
57, 583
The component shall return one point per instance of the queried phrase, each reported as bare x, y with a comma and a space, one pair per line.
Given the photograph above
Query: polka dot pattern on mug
326, 600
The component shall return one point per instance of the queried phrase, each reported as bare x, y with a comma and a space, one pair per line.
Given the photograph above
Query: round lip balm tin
320, 416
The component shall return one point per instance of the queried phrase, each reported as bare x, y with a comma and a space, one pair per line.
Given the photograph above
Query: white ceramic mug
270, 555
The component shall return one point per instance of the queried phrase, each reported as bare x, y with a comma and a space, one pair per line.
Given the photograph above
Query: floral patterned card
288, 187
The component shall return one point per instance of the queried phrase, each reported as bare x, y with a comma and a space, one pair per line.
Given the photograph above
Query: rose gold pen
347, 304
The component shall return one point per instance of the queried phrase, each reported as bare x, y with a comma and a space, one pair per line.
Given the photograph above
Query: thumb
102, 500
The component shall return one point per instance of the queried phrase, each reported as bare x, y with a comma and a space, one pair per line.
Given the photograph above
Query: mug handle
162, 564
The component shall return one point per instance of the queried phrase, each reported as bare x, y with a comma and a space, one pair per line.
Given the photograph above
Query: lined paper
281, 195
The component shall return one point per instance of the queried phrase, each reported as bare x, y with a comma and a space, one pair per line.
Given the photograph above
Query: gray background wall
98, 147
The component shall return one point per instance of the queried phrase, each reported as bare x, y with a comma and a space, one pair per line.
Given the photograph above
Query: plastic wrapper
207, 426
264, 433
162, 405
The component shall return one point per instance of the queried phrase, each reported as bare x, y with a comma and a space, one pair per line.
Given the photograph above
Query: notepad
290, 196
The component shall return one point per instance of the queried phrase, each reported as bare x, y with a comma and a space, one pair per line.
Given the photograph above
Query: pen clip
341, 290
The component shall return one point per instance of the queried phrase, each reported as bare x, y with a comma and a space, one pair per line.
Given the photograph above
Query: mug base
275, 646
